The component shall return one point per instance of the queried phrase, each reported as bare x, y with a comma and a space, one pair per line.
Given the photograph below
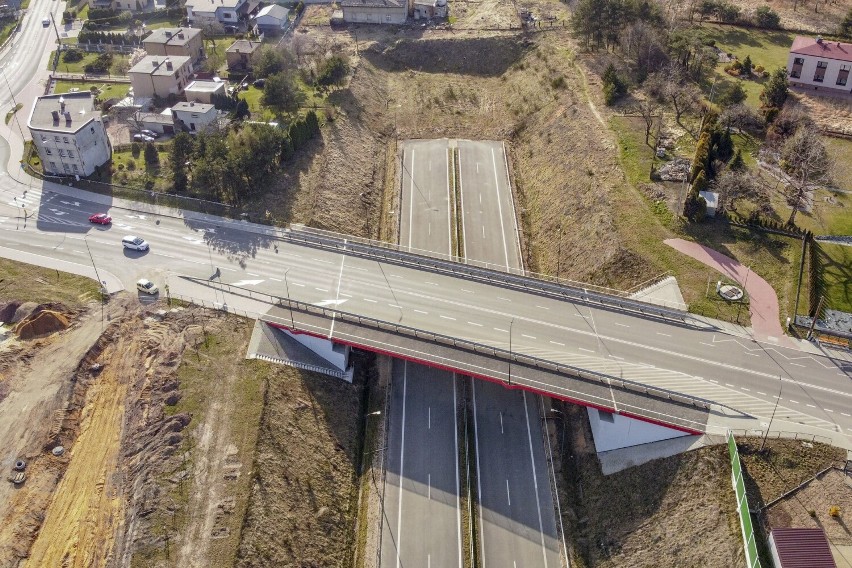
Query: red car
100, 219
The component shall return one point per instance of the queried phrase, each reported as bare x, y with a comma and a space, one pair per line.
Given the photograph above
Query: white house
68, 134
821, 65
272, 20
194, 117
203, 12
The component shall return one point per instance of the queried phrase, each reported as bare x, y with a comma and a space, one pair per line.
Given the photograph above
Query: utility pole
771, 418
289, 301
55, 29
814, 320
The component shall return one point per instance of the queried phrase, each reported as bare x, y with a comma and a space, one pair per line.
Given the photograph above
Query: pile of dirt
40, 323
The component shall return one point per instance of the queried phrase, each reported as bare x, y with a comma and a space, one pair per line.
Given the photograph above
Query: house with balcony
820, 65
185, 42
68, 134
157, 76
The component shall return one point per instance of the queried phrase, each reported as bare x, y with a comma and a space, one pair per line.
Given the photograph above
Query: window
70, 154
61, 153
56, 138
843, 76
48, 151
53, 166
820, 72
606, 416
92, 129
65, 139
796, 71
67, 169
76, 169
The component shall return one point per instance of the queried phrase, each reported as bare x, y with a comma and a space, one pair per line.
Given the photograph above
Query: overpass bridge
576, 343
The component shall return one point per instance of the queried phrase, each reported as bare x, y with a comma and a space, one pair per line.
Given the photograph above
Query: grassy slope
29, 283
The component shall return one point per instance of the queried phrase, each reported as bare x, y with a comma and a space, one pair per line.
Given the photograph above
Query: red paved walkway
763, 304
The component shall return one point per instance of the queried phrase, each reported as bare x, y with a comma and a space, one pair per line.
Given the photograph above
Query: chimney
62, 104
55, 117
181, 35
168, 33
169, 65
819, 39
67, 118
155, 63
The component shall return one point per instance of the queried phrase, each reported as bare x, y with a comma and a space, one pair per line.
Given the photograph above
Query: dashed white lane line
371, 300
474, 323
421, 312
761, 393
395, 306
730, 385
796, 364
358, 268
828, 410
581, 316
346, 295
616, 357
543, 307
397, 276
429, 283
321, 289
621, 324
844, 414
528, 336
557, 343
751, 354
810, 405
275, 280
448, 318
323, 261
252, 274
501, 330
745, 389
228, 269
586, 350
793, 401
503, 299
466, 290
664, 334
707, 344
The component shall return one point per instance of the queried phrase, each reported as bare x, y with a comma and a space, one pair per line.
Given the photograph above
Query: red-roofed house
820, 64
800, 548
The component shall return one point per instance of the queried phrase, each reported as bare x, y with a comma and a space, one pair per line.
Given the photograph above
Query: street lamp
289, 301
771, 418
511, 324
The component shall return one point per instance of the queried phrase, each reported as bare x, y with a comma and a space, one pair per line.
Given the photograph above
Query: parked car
100, 219
145, 285
142, 138
150, 133
134, 243
259, 83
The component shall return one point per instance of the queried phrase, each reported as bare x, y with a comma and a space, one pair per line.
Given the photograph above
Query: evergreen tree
151, 156
747, 65
737, 164
775, 89
181, 153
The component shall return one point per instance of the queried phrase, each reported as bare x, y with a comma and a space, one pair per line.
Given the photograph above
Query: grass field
131, 171
108, 90
29, 283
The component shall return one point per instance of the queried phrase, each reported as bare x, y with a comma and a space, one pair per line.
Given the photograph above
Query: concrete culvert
20, 465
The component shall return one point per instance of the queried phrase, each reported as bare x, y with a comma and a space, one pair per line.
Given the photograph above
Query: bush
131, 164
695, 207
151, 155
100, 65
72, 56
135, 149
766, 17
834, 511
614, 86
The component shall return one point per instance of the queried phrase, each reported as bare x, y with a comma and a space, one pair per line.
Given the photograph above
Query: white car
144, 285
134, 243
45, 22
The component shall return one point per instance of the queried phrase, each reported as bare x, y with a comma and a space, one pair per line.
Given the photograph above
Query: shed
203, 91
800, 548
712, 200
272, 19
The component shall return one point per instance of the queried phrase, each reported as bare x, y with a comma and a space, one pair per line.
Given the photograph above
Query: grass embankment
224, 393
7, 27
12, 112
28, 283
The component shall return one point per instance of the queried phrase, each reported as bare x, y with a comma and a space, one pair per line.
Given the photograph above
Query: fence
749, 542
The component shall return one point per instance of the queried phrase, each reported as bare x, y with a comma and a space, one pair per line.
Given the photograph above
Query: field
79, 66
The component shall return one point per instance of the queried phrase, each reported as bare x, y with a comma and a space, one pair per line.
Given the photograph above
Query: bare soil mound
41, 323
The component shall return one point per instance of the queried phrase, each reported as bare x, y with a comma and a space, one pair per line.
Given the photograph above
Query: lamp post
289, 301
771, 418
101, 285
559, 254
511, 324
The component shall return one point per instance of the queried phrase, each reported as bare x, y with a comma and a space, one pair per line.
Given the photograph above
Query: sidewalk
763, 302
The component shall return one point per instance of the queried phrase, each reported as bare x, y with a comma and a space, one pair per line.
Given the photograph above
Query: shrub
135, 149
695, 207
614, 86
131, 164
766, 17
151, 156
746, 67
72, 56
737, 164
834, 511
759, 69
700, 183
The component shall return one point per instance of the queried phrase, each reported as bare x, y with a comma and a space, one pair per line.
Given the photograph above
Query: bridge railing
440, 339
514, 278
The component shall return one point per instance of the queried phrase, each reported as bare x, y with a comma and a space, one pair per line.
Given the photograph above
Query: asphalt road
815, 389
516, 508
422, 520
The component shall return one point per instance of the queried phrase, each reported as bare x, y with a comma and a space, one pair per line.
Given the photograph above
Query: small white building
821, 65
68, 134
430, 9
711, 198
272, 20
204, 12
203, 91
194, 117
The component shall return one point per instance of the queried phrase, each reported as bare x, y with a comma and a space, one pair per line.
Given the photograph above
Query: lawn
252, 95
131, 171
108, 90
7, 26
78, 66
766, 48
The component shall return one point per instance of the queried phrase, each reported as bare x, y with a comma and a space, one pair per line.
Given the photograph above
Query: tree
807, 164
747, 65
730, 93
272, 60
614, 87
775, 89
737, 164
742, 117
766, 17
281, 94
241, 111
180, 155
845, 29
151, 155
333, 71
648, 109
733, 185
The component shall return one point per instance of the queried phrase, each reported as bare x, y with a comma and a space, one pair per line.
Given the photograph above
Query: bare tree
807, 165
648, 110
674, 86
733, 186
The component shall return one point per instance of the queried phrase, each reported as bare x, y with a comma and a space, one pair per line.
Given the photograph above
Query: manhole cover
730, 292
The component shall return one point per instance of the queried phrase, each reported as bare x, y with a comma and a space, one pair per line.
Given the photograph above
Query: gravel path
763, 306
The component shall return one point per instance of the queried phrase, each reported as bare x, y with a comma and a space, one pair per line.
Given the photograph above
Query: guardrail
514, 278
440, 339
749, 543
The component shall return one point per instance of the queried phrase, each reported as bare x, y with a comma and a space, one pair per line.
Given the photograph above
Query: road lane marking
504, 299
501, 423
371, 300
828, 410
844, 414
323, 261
557, 343
621, 324
421, 312
429, 419
252, 274
346, 295
429, 481
527, 336
761, 393
395, 306
796, 364
508, 495
535, 482
664, 334
474, 323
745, 389
810, 405
616, 357
500, 209
321, 289
707, 344
587, 350
542, 307
466, 290
751, 354
430, 283
275, 279
448, 318
501, 330
793, 401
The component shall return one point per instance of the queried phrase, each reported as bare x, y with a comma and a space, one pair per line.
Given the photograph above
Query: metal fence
749, 542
